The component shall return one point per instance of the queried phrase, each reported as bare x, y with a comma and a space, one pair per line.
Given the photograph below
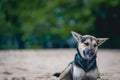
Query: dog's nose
91, 51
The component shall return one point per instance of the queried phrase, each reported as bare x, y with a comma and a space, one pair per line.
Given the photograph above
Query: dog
84, 65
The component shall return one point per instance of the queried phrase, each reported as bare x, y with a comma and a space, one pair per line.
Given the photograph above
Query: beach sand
41, 64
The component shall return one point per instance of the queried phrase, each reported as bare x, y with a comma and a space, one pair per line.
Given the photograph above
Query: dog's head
88, 45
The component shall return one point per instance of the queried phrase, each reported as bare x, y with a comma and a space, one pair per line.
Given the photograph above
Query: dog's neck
86, 65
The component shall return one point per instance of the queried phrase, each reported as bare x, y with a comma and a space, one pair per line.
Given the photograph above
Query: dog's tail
56, 74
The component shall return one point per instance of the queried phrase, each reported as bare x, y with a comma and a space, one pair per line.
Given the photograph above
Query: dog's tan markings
87, 43
95, 45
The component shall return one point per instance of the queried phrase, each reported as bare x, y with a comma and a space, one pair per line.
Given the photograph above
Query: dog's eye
95, 45
87, 44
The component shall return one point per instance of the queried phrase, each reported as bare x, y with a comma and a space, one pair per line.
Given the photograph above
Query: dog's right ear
101, 40
76, 35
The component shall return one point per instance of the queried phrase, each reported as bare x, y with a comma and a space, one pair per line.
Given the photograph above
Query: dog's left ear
101, 40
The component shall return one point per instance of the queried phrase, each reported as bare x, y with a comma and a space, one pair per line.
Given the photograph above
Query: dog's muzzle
89, 54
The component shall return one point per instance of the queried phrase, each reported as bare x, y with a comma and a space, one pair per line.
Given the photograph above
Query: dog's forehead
88, 38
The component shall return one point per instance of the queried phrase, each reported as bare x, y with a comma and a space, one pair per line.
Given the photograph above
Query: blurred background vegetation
31, 24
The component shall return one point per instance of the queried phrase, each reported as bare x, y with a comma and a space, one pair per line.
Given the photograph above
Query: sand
41, 64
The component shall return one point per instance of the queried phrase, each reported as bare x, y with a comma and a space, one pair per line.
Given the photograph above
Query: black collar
86, 65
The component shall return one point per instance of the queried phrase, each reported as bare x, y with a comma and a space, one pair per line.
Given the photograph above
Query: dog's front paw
101, 79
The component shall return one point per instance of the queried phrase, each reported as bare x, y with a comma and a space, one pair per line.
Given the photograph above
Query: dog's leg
94, 74
66, 74
99, 77
78, 73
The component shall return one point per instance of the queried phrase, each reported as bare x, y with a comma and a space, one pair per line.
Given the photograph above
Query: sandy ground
41, 64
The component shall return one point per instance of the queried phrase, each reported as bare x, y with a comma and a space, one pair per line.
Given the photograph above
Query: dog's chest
91, 75
86, 65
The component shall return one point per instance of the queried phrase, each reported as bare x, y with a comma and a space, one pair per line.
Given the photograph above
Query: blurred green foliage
47, 23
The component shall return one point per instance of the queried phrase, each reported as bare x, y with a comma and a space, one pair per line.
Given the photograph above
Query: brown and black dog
84, 65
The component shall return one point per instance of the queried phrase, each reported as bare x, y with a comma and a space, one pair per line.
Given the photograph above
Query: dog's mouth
88, 55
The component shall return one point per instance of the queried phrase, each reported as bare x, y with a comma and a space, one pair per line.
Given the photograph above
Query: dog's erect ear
101, 40
76, 35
